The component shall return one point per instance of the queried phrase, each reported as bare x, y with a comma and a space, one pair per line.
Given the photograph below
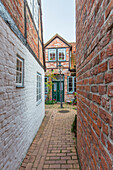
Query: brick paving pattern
54, 144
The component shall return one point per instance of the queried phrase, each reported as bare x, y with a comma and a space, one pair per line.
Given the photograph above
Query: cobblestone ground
54, 144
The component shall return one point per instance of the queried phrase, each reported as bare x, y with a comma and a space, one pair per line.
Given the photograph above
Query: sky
58, 17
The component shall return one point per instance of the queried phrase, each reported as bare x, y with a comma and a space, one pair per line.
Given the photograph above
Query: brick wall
20, 116
23, 19
94, 48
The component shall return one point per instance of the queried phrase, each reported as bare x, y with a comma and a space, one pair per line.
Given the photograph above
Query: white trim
73, 84
64, 51
22, 72
50, 51
39, 89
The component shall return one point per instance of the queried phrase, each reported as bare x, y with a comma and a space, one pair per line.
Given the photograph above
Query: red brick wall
16, 10
32, 37
94, 48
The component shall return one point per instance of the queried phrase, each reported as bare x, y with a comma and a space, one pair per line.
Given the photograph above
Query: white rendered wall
20, 116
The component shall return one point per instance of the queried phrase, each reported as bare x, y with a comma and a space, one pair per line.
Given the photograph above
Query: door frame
57, 89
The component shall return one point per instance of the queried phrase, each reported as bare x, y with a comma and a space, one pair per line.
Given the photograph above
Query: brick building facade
21, 78
59, 50
94, 51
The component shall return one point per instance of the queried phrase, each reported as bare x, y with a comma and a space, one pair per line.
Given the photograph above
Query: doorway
56, 91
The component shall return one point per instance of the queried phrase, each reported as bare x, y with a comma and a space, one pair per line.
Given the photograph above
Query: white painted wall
20, 116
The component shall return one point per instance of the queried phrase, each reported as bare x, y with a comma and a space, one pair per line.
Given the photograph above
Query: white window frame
46, 92
49, 52
21, 72
36, 13
39, 88
73, 84
64, 51
34, 9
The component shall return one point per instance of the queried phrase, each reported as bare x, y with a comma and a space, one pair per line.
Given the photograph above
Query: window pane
39, 86
62, 54
36, 13
30, 3
20, 78
19, 71
46, 87
17, 64
52, 54
17, 77
70, 84
70, 89
75, 84
70, 79
21, 66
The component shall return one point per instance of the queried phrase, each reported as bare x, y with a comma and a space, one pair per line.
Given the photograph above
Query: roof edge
57, 36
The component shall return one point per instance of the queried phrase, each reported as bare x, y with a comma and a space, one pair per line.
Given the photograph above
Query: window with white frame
61, 54
30, 3
52, 54
19, 71
71, 82
39, 87
46, 87
34, 8
36, 12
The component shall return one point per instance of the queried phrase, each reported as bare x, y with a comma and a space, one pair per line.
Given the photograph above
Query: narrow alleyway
54, 144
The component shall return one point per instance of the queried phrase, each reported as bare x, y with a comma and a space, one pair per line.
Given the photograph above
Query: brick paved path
54, 144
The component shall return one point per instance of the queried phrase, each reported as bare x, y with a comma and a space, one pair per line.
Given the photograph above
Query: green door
56, 90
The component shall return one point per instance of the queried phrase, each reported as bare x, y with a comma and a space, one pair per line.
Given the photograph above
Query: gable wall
57, 43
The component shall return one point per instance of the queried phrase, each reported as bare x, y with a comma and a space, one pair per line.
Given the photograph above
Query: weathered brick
94, 89
94, 57
105, 103
108, 77
110, 90
111, 63
100, 79
102, 67
96, 98
94, 108
112, 105
105, 116
102, 89
105, 129
109, 8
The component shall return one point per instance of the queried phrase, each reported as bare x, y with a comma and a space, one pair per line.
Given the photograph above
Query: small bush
74, 126
50, 101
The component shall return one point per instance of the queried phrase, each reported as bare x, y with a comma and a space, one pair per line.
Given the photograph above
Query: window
36, 13
19, 72
71, 84
30, 3
46, 87
39, 87
52, 54
61, 54
33, 6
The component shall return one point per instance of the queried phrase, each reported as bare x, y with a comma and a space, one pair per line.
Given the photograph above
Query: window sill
39, 102
61, 60
51, 60
70, 93
17, 86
